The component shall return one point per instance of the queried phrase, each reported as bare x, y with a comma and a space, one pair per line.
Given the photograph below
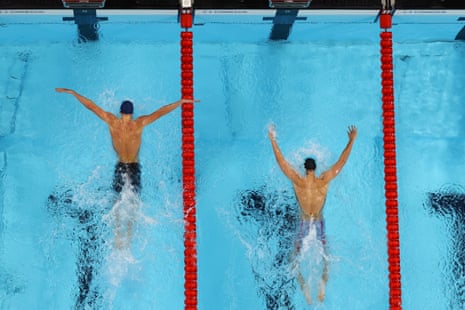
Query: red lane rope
188, 164
390, 170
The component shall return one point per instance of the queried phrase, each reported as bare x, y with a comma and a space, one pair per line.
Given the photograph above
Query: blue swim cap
126, 107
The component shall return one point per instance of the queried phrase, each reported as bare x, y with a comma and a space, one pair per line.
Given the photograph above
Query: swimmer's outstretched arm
150, 118
332, 172
287, 169
104, 115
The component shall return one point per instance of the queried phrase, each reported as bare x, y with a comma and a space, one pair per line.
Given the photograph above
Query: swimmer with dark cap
310, 191
126, 136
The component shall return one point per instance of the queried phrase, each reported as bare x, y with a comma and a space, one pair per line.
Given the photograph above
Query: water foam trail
310, 148
311, 256
125, 215
314, 150
127, 247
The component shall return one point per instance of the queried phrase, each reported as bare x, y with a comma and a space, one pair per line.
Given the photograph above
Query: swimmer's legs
305, 288
323, 281
305, 285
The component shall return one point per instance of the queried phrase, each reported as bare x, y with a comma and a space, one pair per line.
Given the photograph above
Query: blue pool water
56, 159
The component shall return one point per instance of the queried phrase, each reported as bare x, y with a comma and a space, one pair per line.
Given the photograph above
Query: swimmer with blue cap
126, 132
126, 135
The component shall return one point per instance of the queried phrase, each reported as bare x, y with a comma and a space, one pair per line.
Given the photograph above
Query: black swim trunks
129, 172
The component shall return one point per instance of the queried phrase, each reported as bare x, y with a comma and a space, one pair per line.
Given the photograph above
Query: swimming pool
324, 78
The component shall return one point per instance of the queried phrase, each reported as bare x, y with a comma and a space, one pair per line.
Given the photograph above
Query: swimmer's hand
272, 132
188, 101
352, 132
64, 90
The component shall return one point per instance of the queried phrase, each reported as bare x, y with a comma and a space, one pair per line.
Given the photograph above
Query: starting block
289, 4
84, 4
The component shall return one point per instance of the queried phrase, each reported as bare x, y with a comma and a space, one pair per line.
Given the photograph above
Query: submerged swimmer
310, 191
126, 136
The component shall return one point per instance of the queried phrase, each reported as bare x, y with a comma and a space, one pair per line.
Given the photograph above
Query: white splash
124, 217
311, 149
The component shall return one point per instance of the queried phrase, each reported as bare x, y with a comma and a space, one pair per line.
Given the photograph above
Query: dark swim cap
310, 164
126, 107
